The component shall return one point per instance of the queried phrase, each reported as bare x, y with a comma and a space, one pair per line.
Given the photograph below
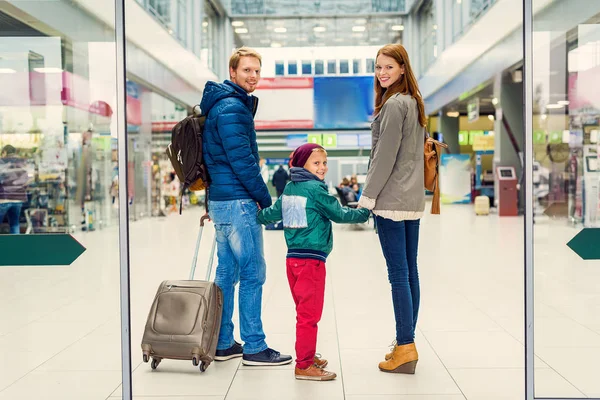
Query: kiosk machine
591, 183
507, 191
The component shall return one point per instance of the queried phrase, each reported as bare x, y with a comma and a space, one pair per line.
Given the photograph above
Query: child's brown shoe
314, 373
320, 362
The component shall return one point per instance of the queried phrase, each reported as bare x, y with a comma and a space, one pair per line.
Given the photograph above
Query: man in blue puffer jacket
237, 192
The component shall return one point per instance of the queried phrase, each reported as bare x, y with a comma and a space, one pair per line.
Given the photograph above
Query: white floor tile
181, 378
60, 330
406, 397
63, 385
363, 377
477, 349
276, 385
171, 398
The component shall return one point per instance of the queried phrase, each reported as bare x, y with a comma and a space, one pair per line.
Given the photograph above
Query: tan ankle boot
403, 360
392, 347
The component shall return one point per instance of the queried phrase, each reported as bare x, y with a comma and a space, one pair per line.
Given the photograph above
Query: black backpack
185, 153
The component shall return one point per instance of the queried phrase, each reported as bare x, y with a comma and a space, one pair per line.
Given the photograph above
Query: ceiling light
360, 21
275, 44
435, 27
357, 35
265, 41
458, 1
563, 102
205, 24
491, 117
453, 114
338, 39
358, 28
280, 30
48, 70
319, 29
397, 27
302, 39
241, 30
237, 23
543, 116
553, 106
494, 101
7, 71
374, 39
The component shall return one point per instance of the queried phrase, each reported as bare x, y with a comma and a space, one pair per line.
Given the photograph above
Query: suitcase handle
212, 251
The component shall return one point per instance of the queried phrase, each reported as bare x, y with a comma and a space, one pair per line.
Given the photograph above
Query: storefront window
319, 67
58, 165
427, 34
565, 125
209, 34
182, 21
331, 67
457, 18
161, 9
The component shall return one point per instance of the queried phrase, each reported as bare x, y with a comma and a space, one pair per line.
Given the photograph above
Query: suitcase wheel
155, 362
146, 358
195, 360
203, 366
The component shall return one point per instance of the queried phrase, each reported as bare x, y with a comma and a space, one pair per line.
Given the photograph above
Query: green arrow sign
587, 244
55, 249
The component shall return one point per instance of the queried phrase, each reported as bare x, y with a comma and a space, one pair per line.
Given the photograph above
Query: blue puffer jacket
229, 144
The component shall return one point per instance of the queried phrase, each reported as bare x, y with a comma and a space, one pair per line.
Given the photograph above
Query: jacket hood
215, 92
302, 175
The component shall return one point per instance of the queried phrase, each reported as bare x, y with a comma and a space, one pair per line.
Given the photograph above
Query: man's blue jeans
400, 242
241, 259
12, 211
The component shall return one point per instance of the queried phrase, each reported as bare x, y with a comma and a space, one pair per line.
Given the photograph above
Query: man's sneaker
320, 362
266, 357
314, 373
234, 351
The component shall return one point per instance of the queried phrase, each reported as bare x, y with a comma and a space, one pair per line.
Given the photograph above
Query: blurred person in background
13, 179
280, 179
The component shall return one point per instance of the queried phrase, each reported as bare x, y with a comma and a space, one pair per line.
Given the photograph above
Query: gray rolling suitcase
185, 318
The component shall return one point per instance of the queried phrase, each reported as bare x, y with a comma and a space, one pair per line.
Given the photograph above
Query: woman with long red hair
394, 191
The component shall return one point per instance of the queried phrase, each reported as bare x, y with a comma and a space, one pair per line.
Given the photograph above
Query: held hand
259, 207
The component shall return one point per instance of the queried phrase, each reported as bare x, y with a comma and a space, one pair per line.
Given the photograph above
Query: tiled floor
60, 327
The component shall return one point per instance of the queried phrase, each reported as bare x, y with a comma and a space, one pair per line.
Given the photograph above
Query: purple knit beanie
302, 154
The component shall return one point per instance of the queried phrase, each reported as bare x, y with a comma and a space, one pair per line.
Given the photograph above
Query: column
449, 127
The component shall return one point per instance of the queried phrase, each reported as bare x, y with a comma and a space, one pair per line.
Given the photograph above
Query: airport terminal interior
508, 85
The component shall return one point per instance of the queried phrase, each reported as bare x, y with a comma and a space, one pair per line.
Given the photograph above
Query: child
307, 209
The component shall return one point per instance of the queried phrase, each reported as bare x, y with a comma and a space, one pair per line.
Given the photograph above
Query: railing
304, 8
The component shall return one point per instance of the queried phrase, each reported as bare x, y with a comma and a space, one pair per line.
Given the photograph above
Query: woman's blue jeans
400, 242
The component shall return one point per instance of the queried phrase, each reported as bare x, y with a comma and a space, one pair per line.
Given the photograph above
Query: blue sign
343, 102
293, 141
133, 89
278, 161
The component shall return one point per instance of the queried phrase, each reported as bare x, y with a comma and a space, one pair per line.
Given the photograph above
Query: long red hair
406, 84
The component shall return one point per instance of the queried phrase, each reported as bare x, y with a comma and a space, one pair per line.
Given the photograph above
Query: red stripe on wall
285, 83
285, 124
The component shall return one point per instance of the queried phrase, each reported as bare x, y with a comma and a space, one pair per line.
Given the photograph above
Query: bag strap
437, 146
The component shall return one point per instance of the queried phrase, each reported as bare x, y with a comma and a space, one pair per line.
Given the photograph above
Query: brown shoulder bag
433, 151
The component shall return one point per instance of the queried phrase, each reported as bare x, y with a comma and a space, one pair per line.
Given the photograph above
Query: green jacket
307, 209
